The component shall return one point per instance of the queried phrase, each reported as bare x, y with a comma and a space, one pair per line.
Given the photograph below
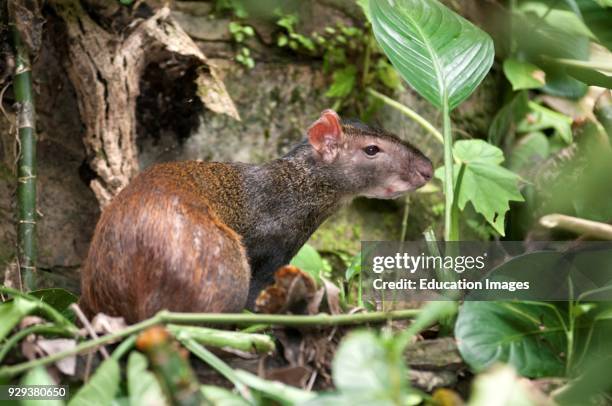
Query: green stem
26, 172
36, 329
405, 218
217, 364
455, 206
247, 342
409, 113
366, 61
124, 347
595, 65
219, 319
570, 333
45, 309
451, 233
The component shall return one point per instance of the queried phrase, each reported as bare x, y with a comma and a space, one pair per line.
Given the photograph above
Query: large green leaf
439, 53
528, 336
484, 182
101, 388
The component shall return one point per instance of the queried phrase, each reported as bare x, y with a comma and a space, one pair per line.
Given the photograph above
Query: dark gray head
375, 163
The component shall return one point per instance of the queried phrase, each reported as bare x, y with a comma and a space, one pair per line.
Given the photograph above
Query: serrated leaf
143, 387
523, 75
527, 336
487, 185
439, 53
101, 388
477, 152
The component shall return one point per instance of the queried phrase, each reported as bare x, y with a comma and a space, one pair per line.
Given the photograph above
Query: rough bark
105, 70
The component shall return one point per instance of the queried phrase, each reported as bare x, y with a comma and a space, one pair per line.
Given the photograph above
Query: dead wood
105, 69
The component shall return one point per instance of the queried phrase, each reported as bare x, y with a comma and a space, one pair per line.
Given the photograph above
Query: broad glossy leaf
523, 75
485, 183
530, 337
143, 387
12, 312
101, 388
439, 53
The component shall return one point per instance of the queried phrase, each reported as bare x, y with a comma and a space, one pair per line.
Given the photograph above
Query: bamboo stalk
26, 171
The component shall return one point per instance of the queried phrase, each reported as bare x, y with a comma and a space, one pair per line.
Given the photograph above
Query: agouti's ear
325, 135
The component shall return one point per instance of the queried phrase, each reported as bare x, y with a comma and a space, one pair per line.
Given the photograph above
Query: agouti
207, 237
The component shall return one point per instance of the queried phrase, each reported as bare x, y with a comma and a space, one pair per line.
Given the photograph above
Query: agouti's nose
425, 169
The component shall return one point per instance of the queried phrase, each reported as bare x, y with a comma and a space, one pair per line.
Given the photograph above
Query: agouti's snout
421, 170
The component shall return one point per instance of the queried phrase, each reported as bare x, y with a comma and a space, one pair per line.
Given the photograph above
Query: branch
577, 225
218, 319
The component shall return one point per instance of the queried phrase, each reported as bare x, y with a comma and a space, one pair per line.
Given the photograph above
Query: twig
77, 310
219, 319
577, 225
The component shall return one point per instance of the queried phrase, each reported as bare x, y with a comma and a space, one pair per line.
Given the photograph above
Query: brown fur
152, 232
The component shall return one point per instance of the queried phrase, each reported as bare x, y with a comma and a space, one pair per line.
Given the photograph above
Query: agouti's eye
371, 150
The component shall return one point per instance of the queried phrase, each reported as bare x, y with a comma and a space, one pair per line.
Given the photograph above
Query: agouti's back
158, 227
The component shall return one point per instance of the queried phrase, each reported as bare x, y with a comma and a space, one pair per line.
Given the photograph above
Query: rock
203, 27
